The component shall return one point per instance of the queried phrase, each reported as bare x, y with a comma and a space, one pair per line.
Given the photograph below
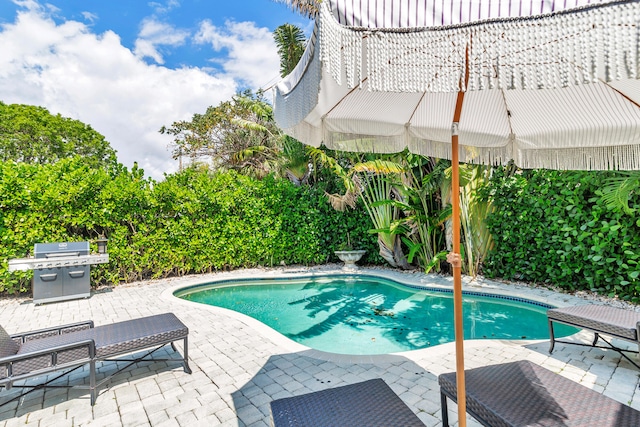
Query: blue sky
128, 67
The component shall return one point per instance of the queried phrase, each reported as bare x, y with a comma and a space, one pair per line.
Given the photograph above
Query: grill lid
49, 250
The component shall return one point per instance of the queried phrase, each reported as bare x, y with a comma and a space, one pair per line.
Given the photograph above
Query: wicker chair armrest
50, 351
55, 330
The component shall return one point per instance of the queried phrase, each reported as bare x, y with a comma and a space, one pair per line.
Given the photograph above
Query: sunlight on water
369, 315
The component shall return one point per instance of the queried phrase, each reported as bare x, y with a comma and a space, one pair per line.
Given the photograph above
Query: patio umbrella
545, 83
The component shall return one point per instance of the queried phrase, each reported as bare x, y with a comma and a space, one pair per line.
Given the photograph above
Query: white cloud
28, 4
153, 35
252, 52
165, 7
90, 17
93, 78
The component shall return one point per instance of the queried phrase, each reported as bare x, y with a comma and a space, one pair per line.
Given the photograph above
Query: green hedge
552, 227
192, 222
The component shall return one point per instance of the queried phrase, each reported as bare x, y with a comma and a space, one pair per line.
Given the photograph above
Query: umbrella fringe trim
500, 57
623, 157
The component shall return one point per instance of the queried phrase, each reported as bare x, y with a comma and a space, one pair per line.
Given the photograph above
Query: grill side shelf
25, 264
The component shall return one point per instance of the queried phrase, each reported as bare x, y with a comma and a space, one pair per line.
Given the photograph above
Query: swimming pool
366, 315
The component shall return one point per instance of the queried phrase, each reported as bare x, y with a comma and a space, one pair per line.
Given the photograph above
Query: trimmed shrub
192, 222
553, 227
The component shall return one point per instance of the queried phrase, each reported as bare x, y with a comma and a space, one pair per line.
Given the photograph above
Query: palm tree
291, 42
307, 8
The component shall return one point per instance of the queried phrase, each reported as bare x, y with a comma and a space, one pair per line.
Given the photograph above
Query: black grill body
65, 282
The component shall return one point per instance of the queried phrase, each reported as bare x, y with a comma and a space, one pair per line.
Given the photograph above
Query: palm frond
379, 167
617, 190
248, 124
340, 202
308, 8
249, 153
328, 161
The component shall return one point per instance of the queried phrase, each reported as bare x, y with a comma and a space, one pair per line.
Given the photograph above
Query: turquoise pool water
371, 315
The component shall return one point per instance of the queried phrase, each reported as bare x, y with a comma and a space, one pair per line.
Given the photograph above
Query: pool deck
240, 365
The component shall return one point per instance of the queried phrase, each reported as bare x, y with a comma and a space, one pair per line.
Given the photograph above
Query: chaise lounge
69, 347
519, 394
516, 394
369, 403
600, 319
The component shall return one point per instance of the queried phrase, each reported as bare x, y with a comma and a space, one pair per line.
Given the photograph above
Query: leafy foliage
192, 222
424, 215
401, 194
239, 134
31, 134
474, 210
554, 227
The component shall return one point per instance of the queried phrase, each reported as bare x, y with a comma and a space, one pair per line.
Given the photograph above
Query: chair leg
595, 339
445, 412
36, 387
187, 369
551, 337
92, 381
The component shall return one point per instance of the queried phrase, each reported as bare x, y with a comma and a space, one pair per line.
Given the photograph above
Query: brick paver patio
240, 365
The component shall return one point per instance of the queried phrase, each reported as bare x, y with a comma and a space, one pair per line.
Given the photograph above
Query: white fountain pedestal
350, 258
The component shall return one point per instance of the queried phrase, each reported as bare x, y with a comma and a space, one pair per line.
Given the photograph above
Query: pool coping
410, 278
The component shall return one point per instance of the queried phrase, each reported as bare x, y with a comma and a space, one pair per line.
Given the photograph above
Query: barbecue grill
61, 270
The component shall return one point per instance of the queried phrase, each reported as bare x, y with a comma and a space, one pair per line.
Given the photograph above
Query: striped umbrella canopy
546, 83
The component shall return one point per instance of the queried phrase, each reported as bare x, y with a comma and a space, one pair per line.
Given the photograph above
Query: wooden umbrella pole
457, 280
457, 266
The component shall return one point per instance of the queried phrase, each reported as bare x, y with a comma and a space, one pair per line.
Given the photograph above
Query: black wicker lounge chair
69, 347
600, 319
370, 403
521, 394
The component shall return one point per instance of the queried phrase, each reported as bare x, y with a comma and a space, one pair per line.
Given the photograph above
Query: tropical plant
423, 214
375, 190
475, 206
295, 161
618, 189
290, 41
340, 202
346, 245
239, 134
474, 210
368, 182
